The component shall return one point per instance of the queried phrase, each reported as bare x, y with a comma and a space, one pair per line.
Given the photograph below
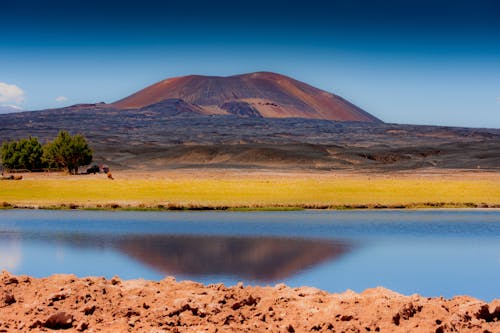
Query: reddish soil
94, 304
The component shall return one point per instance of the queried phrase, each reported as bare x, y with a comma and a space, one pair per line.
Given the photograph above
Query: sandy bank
96, 304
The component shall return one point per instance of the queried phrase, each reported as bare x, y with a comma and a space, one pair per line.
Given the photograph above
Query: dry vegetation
223, 189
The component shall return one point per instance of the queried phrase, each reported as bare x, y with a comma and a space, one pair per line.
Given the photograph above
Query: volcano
254, 95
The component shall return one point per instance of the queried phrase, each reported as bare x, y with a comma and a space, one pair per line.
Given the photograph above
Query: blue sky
422, 62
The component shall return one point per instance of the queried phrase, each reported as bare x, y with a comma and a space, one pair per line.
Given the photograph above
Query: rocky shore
94, 304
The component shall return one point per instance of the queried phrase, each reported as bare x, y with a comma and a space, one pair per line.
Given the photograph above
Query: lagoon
430, 252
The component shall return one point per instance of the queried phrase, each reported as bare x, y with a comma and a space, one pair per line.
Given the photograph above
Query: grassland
257, 191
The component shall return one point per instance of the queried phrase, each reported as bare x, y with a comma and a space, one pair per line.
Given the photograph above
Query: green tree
68, 152
23, 154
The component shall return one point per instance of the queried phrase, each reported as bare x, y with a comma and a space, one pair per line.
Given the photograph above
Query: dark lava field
167, 138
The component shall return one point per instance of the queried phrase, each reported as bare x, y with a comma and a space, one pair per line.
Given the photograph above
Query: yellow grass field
260, 190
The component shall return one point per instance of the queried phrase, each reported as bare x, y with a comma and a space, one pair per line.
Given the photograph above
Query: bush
22, 154
68, 152
65, 151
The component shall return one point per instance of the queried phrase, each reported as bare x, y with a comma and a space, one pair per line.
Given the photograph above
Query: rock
58, 296
11, 280
280, 286
35, 324
9, 299
89, 310
485, 314
406, 312
396, 319
346, 318
248, 301
82, 326
59, 320
115, 280
409, 310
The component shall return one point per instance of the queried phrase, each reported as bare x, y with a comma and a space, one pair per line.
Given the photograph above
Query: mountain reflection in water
263, 259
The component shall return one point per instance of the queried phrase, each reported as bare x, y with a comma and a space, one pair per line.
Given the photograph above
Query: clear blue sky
422, 62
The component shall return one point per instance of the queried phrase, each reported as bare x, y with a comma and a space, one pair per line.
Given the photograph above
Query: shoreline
111, 305
277, 208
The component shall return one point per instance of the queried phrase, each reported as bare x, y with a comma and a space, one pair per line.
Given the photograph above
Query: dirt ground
94, 304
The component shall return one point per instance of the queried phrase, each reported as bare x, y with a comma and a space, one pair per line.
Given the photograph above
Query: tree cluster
65, 152
22, 154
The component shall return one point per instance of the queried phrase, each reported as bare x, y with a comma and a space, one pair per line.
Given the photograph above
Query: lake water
433, 253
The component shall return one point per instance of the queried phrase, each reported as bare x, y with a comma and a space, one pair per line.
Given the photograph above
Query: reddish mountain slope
259, 94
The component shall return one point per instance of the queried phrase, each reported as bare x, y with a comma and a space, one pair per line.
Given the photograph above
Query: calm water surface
432, 253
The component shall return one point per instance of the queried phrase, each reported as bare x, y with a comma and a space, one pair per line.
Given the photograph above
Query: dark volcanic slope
161, 136
261, 94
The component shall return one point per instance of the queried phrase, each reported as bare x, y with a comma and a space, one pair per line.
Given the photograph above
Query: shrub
68, 152
23, 154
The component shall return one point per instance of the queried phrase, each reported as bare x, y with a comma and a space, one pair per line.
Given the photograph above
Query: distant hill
254, 95
258, 120
10, 108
